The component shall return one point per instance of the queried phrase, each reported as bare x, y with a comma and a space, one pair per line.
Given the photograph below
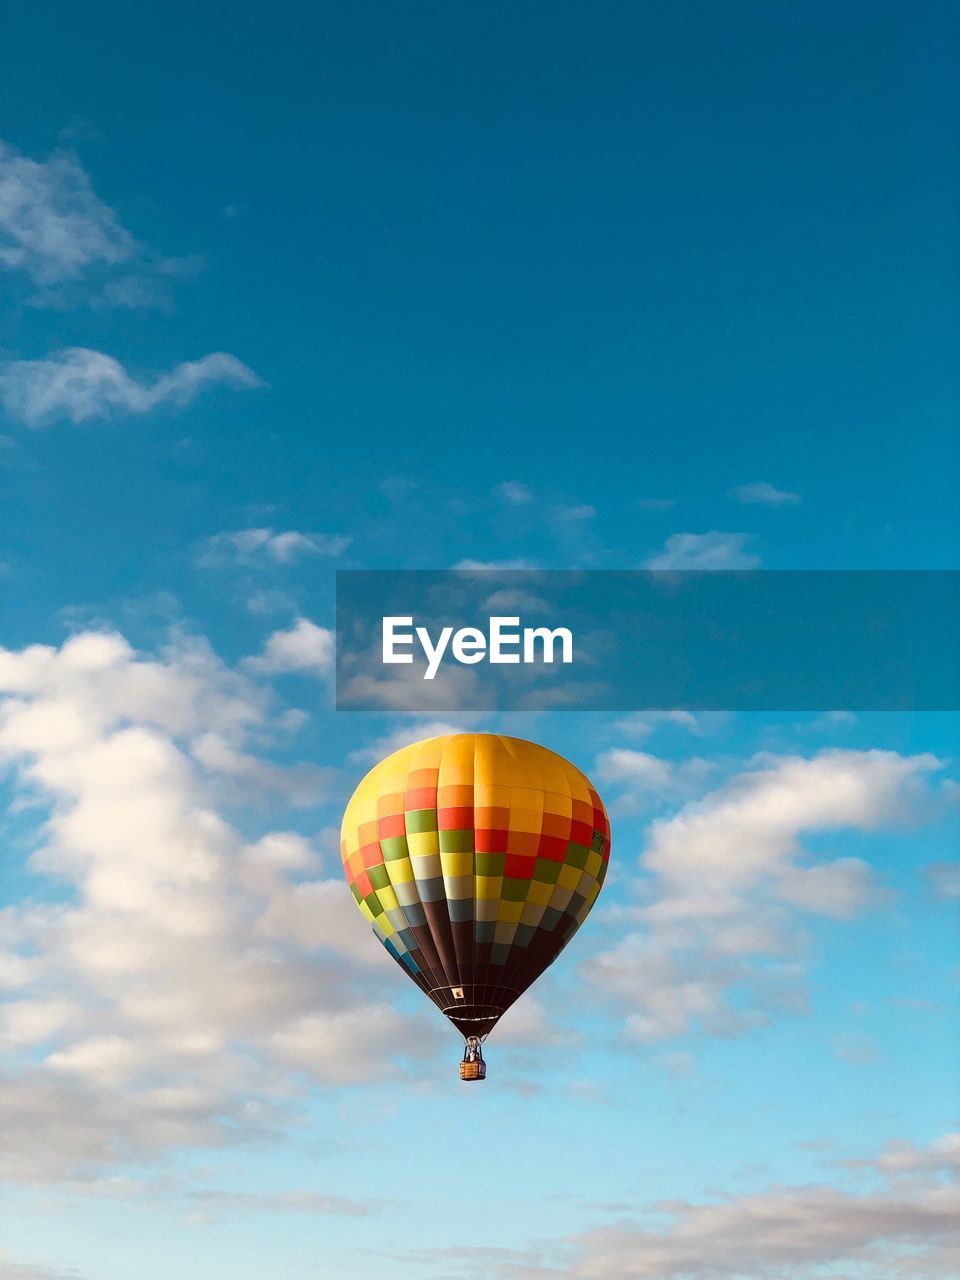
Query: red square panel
372, 855
581, 833
392, 825
492, 841
552, 847
518, 866
455, 819
420, 798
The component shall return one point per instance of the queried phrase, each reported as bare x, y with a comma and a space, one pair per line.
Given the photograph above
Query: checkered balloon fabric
476, 858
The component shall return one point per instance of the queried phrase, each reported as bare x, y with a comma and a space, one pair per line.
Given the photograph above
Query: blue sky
670, 285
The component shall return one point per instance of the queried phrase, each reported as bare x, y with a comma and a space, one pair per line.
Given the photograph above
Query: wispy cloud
761, 493
56, 232
641, 777
713, 550
217, 1202
17, 1269
52, 224
250, 547
896, 1227
79, 384
514, 493
484, 566
944, 880
413, 731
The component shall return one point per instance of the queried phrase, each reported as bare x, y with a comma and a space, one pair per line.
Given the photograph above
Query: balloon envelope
476, 858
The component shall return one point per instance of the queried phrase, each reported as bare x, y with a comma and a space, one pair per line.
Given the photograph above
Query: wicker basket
473, 1070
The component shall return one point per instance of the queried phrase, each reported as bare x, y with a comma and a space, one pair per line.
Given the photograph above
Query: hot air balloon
476, 858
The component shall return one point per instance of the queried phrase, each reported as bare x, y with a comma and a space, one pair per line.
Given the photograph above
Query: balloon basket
472, 1065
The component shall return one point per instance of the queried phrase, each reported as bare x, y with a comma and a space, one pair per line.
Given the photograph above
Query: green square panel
490, 864
421, 820
379, 876
394, 847
373, 902
514, 890
577, 855
546, 870
456, 842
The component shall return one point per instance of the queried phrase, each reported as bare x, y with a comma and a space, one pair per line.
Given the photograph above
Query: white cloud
56, 232
642, 724
892, 1229
781, 1233
80, 384
52, 224
643, 775
17, 1269
216, 1202
252, 546
944, 880
513, 493
574, 513
727, 883
159, 999
304, 648
414, 731
763, 494
347, 1045
941, 1156
748, 829
482, 566
713, 550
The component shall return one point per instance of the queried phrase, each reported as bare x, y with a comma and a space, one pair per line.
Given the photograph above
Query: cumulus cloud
728, 882
252, 547
305, 648
713, 550
761, 493
79, 384
56, 232
161, 997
